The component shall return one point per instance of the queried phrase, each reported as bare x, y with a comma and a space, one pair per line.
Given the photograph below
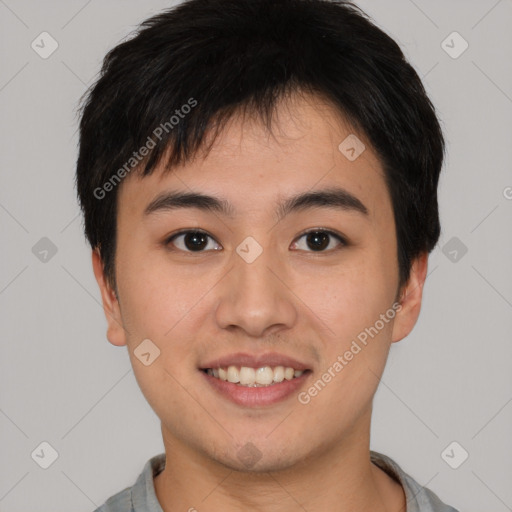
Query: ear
411, 297
115, 330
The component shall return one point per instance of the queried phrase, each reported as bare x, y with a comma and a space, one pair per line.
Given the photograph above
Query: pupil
197, 240
319, 240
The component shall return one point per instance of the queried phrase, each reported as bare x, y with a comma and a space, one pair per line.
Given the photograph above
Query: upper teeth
247, 376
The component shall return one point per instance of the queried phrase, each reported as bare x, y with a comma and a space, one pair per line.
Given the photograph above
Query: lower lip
256, 396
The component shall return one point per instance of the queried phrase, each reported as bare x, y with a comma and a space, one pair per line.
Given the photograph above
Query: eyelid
335, 234
185, 231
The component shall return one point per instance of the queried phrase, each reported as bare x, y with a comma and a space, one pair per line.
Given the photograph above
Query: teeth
254, 377
247, 376
264, 375
233, 374
278, 374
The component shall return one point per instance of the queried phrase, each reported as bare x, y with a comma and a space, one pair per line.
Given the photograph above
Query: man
259, 186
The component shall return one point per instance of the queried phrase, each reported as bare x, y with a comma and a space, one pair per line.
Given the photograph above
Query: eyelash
330, 233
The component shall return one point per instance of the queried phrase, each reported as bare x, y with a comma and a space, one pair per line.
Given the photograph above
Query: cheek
352, 303
355, 356
157, 306
154, 296
352, 299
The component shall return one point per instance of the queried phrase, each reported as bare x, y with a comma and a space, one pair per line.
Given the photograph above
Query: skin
197, 306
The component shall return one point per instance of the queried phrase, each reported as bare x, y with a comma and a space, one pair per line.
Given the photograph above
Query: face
236, 281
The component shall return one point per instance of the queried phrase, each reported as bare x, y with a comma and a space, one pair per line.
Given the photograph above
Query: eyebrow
329, 198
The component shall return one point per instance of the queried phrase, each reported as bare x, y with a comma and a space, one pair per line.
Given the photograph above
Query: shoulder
120, 502
419, 498
141, 496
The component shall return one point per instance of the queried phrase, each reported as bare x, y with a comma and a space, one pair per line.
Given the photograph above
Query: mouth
253, 381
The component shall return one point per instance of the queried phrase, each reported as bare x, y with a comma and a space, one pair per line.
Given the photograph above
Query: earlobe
410, 299
115, 330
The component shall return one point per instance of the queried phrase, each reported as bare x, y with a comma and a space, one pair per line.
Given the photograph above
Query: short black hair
211, 59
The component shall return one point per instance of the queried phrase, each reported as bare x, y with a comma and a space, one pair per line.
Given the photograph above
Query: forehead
310, 146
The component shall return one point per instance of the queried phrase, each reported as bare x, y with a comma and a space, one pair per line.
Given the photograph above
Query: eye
190, 241
317, 240
320, 239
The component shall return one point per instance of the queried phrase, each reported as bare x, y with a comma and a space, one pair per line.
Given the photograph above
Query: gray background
63, 383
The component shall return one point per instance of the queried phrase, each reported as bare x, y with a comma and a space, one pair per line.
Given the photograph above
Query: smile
254, 377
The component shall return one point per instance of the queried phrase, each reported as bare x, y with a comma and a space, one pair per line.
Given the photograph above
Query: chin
252, 458
264, 465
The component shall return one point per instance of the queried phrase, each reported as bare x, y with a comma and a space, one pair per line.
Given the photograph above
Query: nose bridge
252, 297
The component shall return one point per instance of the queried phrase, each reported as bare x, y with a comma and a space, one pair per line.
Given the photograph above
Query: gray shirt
141, 497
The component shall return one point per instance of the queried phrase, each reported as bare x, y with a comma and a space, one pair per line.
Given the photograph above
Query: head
252, 102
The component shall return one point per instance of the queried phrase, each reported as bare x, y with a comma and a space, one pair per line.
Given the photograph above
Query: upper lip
272, 359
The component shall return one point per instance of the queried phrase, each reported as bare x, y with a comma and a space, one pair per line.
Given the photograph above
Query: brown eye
319, 240
190, 241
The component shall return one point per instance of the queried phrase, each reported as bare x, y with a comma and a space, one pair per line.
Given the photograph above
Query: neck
340, 479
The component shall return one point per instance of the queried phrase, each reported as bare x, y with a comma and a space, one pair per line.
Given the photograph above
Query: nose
256, 296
